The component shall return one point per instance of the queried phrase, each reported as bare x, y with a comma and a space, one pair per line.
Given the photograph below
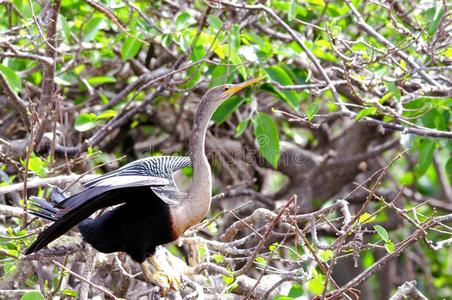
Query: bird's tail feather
49, 209
68, 217
42, 208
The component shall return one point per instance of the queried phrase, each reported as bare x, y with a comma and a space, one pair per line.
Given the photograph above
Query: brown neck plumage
201, 187
195, 205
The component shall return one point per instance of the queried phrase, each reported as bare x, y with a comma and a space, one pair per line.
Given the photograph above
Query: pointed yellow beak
238, 87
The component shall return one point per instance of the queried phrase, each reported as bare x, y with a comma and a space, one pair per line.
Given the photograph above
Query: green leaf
434, 16
241, 127
226, 109
266, 135
109, 113
235, 59
435, 119
316, 285
228, 279
406, 178
218, 258
34, 295
184, 20
130, 48
214, 22
11, 252
92, 28
313, 108
198, 53
278, 74
167, 39
35, 164
366, 218
389, 246
296, 291
426, 149
325, 255
85, 122
449, 167
202, 251
11, 77
393, 89
97, 80
70, 293
382, 232
365, 112
292, 14
317, 2
273, 246
235, 36
9, 267
282, 297
385, 97
261, 260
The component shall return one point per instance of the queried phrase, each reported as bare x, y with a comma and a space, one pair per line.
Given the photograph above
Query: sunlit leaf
228, 279
109, 113
260, 260
316, 285
70, 293
325, 255
366, 218
101, 80
218, 258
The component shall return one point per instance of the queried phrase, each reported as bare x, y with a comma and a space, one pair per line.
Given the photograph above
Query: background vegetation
335, 172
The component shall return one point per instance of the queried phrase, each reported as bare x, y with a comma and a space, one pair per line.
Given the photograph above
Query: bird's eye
225, 88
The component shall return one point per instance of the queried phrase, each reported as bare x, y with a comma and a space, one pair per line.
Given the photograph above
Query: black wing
89, 201
107, 190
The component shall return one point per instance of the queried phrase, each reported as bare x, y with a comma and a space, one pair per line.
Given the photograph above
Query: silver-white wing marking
131, 181
155, 167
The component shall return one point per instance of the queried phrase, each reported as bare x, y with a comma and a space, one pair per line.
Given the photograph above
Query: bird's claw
172, 280
163, 279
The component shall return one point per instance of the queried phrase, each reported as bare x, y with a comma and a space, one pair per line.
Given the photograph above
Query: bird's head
223, 92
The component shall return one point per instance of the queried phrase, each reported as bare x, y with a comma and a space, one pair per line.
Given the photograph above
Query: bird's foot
164, 269
156, 279
173, 280
165, 277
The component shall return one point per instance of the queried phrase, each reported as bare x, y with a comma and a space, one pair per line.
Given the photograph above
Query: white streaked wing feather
131, 181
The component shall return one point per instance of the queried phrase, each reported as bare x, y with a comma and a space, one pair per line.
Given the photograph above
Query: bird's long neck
196, 204
201, 187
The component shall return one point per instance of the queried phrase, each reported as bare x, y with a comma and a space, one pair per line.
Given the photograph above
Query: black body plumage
144, 191
136, 227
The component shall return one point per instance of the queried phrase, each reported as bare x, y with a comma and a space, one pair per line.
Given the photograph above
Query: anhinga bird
150, 210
